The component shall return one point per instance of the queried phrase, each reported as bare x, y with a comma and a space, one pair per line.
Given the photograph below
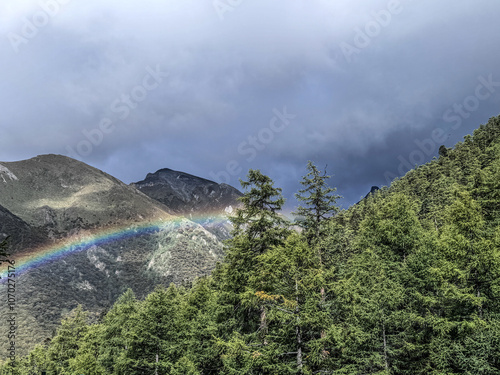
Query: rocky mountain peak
186, 194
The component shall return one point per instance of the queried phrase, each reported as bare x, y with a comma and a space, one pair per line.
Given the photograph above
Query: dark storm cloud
214, 89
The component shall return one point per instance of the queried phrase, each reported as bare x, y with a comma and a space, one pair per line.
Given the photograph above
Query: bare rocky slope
50, 199
203, 201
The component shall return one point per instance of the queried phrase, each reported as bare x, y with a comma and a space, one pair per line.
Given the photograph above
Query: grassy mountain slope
52, 198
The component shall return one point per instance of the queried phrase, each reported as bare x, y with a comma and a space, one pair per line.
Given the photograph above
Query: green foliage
259, 221
289, 284
320, 203
66, 343
115, 326
87, 359
405, 282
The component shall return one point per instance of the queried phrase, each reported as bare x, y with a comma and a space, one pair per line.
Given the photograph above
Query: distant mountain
116, 238
60, 194
204, 201
372, 191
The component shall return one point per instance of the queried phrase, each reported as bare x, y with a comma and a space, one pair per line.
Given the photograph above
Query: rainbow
35, 258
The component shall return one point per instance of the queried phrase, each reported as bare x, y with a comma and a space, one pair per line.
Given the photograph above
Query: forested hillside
405, 282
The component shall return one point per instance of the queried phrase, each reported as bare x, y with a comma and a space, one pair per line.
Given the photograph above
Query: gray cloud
358, 113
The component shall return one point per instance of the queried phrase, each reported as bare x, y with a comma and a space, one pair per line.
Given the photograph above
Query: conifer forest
407, 281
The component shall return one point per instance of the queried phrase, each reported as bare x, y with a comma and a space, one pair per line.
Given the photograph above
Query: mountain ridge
201, 200
51, 201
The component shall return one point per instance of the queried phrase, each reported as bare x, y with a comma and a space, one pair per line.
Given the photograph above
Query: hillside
60, 193
51, 201
19, 232
407, 281
473, 165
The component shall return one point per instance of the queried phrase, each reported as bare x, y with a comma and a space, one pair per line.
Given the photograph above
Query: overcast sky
214, 88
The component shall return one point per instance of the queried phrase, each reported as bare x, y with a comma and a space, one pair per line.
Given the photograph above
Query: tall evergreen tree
86, 360
258, 227
369, 330
289, 284
64, 346
320, 204
117, 322
259, 220
154, 340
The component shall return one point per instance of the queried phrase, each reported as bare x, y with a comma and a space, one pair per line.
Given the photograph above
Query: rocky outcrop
203, 201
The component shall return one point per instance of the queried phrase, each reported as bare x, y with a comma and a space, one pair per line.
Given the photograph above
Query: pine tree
370, 329
199, 314
258, 227
86, 360
365, 330
460, 293
320, 204
469, 260
67, 341
117, 322
259, 220
154, 340
289, 284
